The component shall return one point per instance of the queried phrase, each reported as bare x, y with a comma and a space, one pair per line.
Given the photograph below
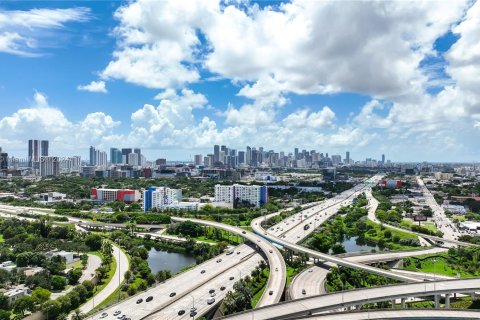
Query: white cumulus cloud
94, 86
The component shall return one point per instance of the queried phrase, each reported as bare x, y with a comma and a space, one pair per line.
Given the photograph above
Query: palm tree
78, 315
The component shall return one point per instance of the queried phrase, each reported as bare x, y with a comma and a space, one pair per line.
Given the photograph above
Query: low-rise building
16, 292
8, 266
455, 209
67, 255
108, 195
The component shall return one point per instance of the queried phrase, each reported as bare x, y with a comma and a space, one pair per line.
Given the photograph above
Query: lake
163, 260
352, 246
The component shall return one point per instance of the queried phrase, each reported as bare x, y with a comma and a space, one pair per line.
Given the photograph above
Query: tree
58, 282
74, 275
94, 242
41, 295
77, 315
5, 315
51, 309
4, 302
23, 304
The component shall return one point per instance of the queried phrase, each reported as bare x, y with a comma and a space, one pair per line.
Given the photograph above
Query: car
231, 278
211, 291
193, 309
222, 288
104, 315
310, 270
210, 300
172, 294
270, 292
116, 313
276, 269
213, 294
122, 317
181, 312
244, 232
219, 260
238, 252
149, 299
139, 300
303, 291
193, 314
203, 271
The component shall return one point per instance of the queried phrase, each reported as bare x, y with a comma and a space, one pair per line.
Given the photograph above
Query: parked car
149, 299
139, 300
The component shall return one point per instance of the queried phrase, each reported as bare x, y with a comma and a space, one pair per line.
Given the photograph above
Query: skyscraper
3, 160
139, 155
36, 149
248, 156
93, 158
198, 159
115, 156
347, 157
125, 153
216, 153
383, 158
49, 166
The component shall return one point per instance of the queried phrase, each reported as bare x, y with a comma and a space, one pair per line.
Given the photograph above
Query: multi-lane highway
311, 281
333, 301
278, 272
442, 221
221, 267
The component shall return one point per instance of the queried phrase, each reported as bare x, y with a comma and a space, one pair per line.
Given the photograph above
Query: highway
278, 272
442, 221
301, 307
184, 284
401, 314
198, 297
312, 279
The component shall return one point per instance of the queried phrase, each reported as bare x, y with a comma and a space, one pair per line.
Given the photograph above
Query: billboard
419, 217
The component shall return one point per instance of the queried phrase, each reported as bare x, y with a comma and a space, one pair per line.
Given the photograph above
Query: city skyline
398, 91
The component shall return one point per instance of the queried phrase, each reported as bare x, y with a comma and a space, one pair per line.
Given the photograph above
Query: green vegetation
461, 262
339, 279
246, 292
352, 222
389, 214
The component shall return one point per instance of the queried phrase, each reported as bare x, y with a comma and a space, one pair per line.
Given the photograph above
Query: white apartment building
161, 198
237, 193
49, 166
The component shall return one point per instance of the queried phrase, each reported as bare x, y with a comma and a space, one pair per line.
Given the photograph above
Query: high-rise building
160, 162
125, 153
93, 154
49, 166
115, 156
347, 157
198, 159
160, 197
3, 160
216, 153
241, 157
36, 149
296, 157
133, 159
139, 154
383, 158
248, 156
336, 159
237, 194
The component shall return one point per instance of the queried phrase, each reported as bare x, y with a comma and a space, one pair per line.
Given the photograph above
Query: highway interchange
192, 287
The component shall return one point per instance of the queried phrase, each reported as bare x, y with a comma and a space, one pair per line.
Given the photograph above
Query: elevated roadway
278, 271
295, 309
401, 314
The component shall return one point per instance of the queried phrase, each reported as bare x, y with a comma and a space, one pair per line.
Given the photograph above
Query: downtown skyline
175, 79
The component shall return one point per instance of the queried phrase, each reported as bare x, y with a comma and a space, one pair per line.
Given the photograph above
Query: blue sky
174, 78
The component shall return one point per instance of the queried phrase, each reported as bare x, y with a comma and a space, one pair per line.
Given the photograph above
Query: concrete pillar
447, 301
358, 307
393, 304
437, 301
474, 297
403, 303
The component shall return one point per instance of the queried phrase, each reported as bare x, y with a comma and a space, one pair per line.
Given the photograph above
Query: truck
230, 250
